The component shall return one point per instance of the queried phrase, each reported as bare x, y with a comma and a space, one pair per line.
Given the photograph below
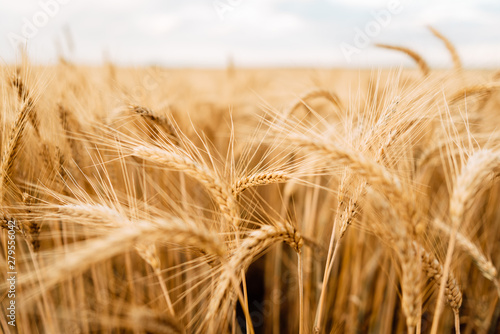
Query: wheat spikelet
149, 253
434, 271
410, 276
410, 285
4, 223
347, 208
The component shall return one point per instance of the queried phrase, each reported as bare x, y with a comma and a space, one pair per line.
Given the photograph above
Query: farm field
155, 200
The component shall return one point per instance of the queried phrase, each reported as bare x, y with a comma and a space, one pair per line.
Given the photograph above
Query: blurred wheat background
153, 200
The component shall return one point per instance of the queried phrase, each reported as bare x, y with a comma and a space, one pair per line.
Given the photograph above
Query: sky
253, 33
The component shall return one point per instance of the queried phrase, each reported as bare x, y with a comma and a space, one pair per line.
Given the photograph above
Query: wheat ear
183, 163
422, 64
485, 266
467, 185
258, 179
120, 239
434, 270
13, 145
376, 174
313, 94
256, 242
457, 63
25, 97
161, 121
149, 253
467, 92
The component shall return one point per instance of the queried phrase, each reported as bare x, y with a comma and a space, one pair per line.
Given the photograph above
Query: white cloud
442, 13
299, 32
158, 24
361, 3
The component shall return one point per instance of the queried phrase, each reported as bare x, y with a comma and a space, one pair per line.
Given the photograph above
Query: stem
233, 328
248, 318
301, 292
165, 292
322, 298
457, 322
276, 290
444, 279
326, 275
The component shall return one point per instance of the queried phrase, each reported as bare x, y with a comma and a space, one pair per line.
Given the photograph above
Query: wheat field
158, 200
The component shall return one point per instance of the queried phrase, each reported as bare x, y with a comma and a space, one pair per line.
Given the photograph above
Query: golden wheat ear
152, 118
482, 92
467, 185
422, 64
457, 63
315, 94
486, 267
13, 146
179, 160
25, 96
258, 179
255, 243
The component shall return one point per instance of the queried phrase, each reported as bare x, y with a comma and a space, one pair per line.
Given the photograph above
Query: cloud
158, 24
256, 32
